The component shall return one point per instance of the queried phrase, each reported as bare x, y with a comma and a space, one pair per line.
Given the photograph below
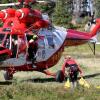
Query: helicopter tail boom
77, 38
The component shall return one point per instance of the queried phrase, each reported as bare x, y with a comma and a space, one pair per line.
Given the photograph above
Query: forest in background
61, 14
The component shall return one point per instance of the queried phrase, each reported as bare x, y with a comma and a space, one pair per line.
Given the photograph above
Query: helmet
35, 37
68, 57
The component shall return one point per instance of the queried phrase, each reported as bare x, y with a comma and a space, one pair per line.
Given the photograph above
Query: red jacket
71, 61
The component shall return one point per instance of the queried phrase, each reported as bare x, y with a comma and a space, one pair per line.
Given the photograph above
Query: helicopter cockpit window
7, 41
41, 43
50, 41
1, 37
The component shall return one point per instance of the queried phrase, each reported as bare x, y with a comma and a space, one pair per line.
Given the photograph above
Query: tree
62, 15
97, 6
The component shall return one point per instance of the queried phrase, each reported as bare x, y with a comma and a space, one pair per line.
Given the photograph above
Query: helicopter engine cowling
22, 13
26, 15
6, 13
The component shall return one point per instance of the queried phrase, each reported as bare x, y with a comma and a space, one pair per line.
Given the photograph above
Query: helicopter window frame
41, 43
50, 41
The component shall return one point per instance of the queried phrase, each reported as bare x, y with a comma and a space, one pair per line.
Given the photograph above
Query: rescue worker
73, 69
14, 45
33, 47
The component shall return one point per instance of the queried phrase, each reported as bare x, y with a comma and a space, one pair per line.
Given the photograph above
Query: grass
24, 86
38, 91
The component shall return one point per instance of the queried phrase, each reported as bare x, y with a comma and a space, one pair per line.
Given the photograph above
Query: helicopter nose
4, 53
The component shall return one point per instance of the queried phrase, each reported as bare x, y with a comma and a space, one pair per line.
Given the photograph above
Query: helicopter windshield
1, 37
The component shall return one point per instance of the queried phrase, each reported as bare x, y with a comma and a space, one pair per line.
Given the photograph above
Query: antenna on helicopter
10, 4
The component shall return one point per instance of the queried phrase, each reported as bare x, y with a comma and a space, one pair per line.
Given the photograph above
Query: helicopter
20, 23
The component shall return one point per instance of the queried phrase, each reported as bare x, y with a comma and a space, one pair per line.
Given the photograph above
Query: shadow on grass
6, 82
44, 80
91, 76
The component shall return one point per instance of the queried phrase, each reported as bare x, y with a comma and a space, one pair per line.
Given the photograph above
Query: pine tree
62, 15
97, 6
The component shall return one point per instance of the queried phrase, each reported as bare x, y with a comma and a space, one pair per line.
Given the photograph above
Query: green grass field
37, 86
46, 91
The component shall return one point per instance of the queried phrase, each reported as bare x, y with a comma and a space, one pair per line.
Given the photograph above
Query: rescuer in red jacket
33, 47
73, 69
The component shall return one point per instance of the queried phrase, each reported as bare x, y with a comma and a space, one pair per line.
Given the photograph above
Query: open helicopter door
10, 43
5, 51
17, 46
14, 43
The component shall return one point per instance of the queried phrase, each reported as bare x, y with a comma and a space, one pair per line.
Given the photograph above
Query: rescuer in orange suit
73, 69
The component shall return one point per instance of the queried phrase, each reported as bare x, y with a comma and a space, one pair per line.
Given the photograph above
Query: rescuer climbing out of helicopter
14, 45
33, 47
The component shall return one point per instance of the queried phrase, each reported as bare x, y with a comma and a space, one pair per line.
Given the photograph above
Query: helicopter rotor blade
9, 4
18, 3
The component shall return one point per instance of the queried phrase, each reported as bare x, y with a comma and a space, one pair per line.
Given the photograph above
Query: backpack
73, 68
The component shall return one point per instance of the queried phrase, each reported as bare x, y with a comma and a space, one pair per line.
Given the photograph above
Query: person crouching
73, 70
